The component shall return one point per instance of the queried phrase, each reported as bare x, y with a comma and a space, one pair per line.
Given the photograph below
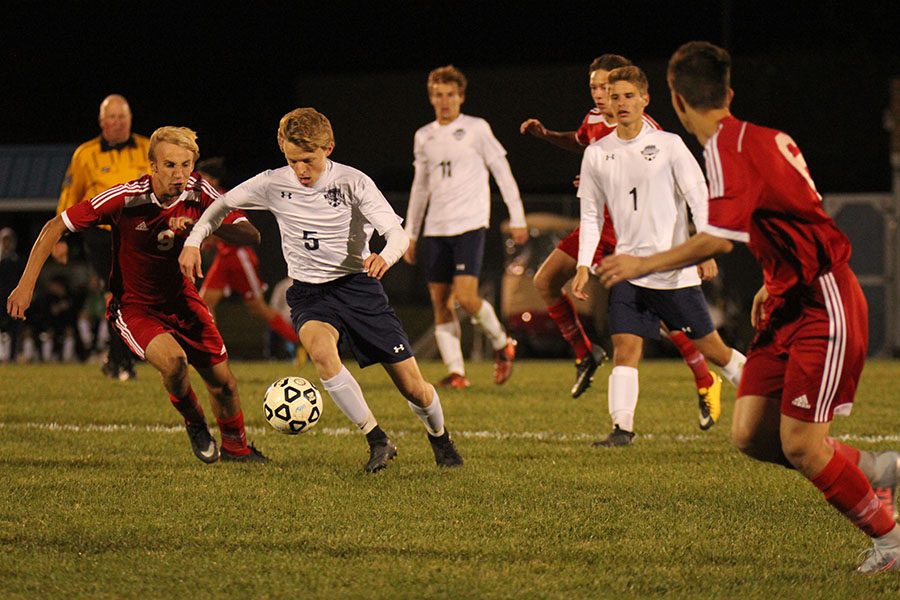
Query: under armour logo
687, 329
288, 195
399, 349
609, 157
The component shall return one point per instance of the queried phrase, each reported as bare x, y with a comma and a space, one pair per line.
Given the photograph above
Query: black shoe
445, 453
379, 455
618, 437
202, 443
109, 369
255, 456
127, 372
585, 369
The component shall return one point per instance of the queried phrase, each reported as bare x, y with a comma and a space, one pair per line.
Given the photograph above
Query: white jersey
647, 182
451, 179
325, 228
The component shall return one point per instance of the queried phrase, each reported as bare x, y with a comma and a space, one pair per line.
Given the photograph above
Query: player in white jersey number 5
453, 154
326, 213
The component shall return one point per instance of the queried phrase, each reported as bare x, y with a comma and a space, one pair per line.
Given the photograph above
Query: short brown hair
608, 62
700, 73
630, 74
180, 136
307, 128
447, 74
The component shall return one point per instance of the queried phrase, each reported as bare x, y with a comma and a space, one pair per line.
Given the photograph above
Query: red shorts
187, 320
236, 271
607, 245
813, 360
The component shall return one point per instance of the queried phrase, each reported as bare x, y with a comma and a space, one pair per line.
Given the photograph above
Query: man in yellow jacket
115, 156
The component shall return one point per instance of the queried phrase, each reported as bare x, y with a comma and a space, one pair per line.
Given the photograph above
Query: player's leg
845, 487
726, 358
709, 385
167, 356
551, 276
882, 469
448, 334
321, 342
465, 291
425, 403
622, 392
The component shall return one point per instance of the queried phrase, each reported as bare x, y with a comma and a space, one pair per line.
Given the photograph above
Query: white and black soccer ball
292, 405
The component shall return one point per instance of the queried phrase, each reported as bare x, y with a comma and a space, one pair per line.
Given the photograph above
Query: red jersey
595, 126
761, 193
145, 250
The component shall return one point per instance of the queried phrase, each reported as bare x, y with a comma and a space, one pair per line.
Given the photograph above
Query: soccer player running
453, 155
156, 310
235, 269
559, 266
646, 178
327, 212
810, 315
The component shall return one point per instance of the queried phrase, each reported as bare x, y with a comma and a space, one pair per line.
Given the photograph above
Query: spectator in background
235, 269
11, 267
115, 156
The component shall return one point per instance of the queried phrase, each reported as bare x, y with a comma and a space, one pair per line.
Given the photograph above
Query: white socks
347, 394
732, 371
432, 415
447, 336
490, 324
623, 396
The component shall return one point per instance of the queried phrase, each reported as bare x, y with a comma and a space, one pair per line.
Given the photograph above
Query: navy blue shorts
638, 310
454, 255
358, 308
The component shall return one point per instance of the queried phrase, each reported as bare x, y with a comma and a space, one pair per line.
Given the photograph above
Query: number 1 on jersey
633, 193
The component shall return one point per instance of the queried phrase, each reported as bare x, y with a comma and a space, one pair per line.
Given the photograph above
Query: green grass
102, 498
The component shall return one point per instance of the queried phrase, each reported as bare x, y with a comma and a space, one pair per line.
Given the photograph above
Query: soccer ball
292, 405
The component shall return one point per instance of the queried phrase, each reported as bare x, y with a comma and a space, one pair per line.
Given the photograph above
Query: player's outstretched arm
621, 267
20, 298
567, 140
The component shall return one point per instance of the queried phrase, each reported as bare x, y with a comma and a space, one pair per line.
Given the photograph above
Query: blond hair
180, 136
307, 128
447, 74
632, 75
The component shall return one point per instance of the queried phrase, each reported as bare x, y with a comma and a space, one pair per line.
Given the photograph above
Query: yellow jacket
95, 167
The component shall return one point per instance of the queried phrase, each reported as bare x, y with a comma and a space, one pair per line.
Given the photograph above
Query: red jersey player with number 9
810, 315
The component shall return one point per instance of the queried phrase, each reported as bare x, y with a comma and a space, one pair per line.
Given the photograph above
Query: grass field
102, 498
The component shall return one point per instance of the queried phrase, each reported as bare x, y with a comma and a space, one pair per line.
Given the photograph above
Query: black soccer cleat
202, 443
445, 453
618, 437
255, 456
380, 453
585, 369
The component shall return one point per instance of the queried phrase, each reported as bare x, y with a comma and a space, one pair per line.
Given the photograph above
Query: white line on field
342, 431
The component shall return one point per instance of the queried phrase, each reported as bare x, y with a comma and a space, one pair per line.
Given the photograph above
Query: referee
115, 156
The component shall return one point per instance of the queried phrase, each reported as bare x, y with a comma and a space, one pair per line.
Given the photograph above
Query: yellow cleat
710, 401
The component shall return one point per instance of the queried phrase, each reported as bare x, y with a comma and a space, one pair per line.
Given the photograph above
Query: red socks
234, 438
847, 489
566, 318
189, 408
848, 452
279, 325
693, 358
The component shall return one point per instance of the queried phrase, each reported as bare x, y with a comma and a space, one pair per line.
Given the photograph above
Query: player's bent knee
174, 367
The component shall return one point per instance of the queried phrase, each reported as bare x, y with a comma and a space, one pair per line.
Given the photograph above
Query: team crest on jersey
650, 152
334, 196
459, 133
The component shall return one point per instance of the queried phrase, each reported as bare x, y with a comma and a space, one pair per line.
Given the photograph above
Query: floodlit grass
102, 498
